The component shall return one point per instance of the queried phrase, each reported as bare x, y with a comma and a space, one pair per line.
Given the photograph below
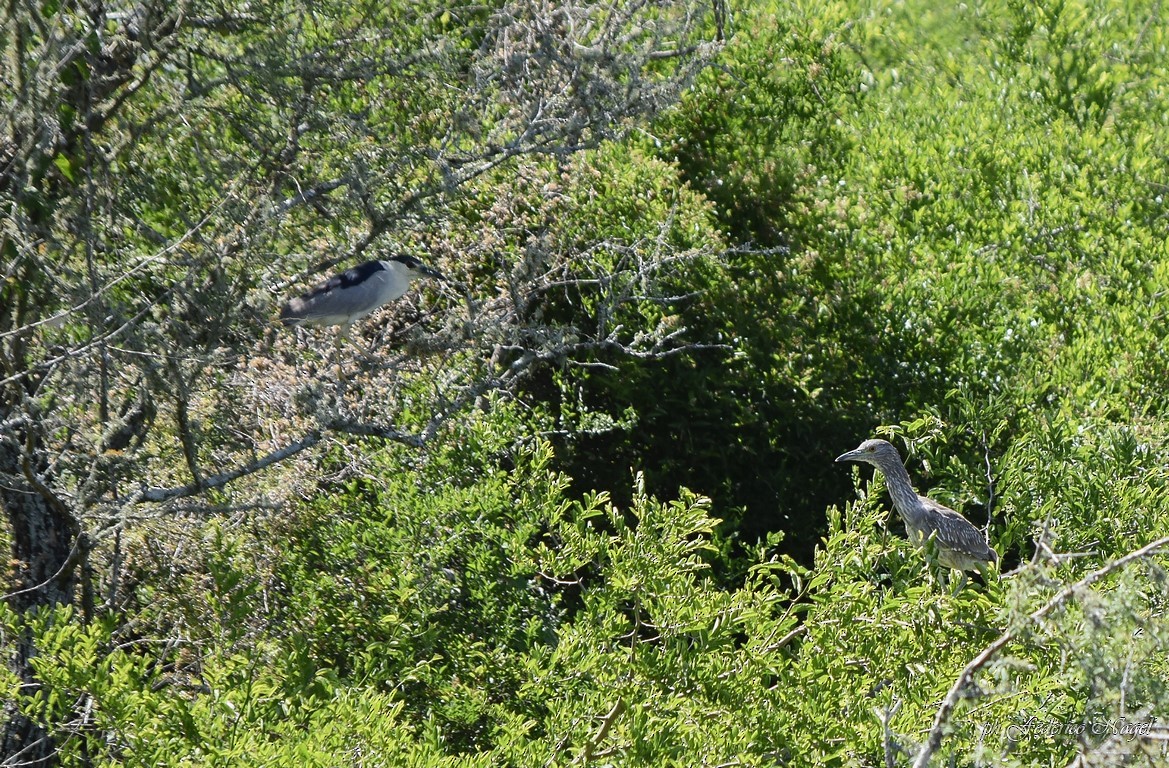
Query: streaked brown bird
959, 544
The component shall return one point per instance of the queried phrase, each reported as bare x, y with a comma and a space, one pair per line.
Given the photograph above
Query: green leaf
65, 166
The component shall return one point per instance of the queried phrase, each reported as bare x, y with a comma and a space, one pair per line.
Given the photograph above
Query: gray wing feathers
954, 532
338, 301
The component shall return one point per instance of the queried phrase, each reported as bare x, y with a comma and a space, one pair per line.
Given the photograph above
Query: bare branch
978, 662
223, 478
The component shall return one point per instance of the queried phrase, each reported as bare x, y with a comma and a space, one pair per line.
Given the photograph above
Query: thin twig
891, 746
589, 750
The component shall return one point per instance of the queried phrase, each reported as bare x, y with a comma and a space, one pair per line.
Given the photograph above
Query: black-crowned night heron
344, 299
959, 544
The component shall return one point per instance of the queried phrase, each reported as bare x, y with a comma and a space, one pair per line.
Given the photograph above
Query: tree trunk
45, 548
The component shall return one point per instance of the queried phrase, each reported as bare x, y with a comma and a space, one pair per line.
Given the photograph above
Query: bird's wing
954, 532
347, 279
341, 299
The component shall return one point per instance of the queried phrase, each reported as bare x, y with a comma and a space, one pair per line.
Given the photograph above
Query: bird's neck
901, 489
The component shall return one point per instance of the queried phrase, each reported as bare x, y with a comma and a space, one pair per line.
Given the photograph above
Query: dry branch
942, 718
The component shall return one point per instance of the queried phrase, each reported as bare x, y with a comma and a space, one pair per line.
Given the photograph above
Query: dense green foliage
943, 223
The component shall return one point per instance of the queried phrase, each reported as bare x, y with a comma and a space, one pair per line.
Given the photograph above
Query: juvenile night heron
344, 299
959, 544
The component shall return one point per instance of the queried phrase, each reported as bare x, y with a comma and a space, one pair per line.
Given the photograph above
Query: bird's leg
933, 570
297, 343
364, 349
341, 331
343, 335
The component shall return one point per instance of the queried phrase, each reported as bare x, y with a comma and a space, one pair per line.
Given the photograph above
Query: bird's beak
850, 456
428, 272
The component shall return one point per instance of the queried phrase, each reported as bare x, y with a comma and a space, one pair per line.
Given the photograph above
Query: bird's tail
292, 312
